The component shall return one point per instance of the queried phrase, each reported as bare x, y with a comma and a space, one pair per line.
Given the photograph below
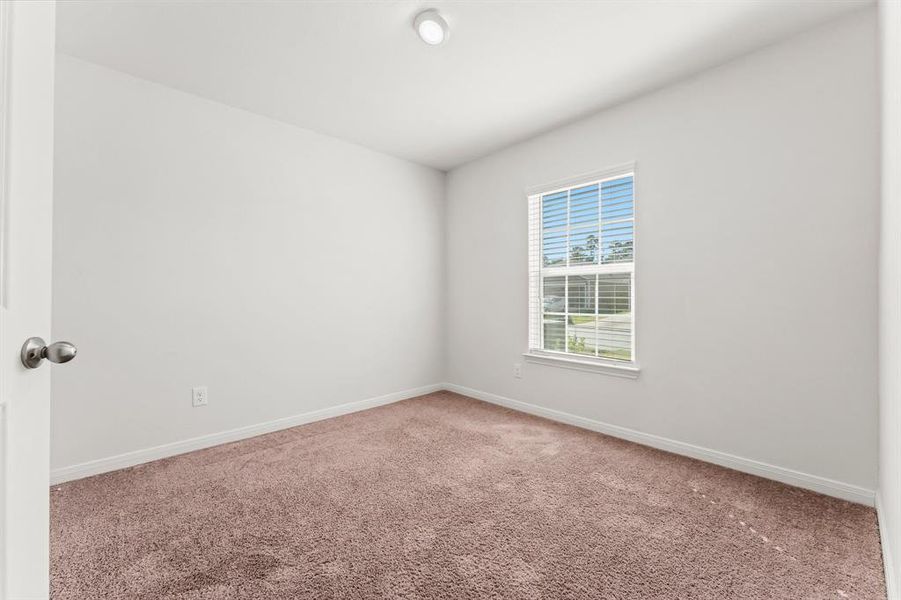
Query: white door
26, 184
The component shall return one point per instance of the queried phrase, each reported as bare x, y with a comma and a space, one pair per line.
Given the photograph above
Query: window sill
626, 370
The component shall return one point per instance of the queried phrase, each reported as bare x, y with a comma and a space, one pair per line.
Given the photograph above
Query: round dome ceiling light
431, 27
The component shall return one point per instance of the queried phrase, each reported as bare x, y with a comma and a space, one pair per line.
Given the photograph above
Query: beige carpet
447, 497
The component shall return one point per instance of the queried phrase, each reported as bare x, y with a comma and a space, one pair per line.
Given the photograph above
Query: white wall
890, 296
757, 208
198, 244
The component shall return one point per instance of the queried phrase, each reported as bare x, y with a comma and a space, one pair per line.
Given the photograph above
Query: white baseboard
822, 485
130, 459
804, 480
891, 577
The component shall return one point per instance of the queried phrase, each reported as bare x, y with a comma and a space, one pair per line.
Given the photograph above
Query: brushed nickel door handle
34, 351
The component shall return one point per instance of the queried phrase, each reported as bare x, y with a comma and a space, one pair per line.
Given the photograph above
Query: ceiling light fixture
431, 27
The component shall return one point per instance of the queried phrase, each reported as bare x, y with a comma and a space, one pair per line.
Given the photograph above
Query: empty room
533, 299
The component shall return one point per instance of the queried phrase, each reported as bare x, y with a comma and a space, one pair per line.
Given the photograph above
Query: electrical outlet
199, 396
517, 370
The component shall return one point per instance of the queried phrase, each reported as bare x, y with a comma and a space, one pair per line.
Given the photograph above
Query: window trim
585, 178
628, 369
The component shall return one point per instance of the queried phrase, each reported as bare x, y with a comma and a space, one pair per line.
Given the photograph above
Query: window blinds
581, 269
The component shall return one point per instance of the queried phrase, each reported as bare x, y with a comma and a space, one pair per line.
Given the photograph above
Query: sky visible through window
577, 226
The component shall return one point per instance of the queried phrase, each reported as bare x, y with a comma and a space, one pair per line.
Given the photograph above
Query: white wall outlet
199, 396
517, 370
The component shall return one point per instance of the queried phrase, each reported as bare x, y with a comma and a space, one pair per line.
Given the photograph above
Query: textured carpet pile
447, 497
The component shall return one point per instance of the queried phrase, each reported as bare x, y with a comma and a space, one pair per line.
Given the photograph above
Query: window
581, 270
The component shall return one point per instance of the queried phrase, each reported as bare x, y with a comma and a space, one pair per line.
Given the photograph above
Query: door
26, 178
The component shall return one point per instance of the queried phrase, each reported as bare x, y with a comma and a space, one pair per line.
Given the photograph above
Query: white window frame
536, 352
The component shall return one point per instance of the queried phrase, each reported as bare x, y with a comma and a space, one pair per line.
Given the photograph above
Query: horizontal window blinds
581, 269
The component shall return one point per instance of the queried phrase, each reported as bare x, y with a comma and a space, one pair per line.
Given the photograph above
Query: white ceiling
357, 71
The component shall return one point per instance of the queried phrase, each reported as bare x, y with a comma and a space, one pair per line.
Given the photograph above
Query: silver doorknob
34, 351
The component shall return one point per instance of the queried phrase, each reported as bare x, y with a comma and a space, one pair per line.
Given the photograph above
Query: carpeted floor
447, 497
